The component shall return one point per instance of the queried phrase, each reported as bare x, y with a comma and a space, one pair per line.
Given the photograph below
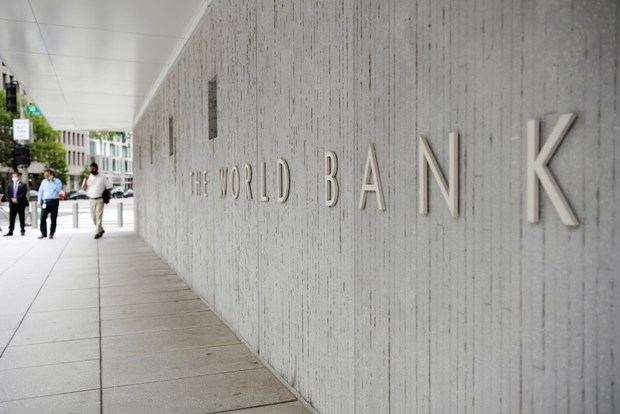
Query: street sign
33, 110
22, 130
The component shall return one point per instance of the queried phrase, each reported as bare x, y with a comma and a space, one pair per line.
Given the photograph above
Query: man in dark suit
17, 195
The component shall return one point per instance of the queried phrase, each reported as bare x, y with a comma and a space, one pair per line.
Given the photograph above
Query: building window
212, 92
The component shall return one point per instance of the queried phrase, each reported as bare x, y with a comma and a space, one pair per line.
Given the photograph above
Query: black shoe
23, 232
8, 234
101, 233
51, 236
98, 236
41, 237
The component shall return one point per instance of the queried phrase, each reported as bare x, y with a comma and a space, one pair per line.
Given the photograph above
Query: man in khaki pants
95, 185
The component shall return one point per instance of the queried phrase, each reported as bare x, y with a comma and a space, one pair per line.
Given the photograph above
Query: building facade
76, 145
115, 158
484, 286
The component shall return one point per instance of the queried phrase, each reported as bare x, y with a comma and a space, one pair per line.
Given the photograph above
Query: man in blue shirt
49, 192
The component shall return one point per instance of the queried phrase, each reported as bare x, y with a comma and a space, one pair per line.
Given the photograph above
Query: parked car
70, 193
79, 195
128, 193
117, 192
33, 195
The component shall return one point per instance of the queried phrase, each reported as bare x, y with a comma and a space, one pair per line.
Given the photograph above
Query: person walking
97, 187
17, 194
49, 193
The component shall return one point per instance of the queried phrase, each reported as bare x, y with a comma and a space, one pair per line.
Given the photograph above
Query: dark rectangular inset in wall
213, 108
151, 142
171, 135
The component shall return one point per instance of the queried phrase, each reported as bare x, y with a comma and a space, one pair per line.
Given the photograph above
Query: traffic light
20, 155
11, 97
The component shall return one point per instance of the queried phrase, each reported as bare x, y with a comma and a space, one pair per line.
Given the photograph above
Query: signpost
32, 109
22, 130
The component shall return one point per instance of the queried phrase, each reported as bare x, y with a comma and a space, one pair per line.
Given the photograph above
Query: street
85, 224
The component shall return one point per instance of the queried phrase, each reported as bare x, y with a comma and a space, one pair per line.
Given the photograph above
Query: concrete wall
367, 311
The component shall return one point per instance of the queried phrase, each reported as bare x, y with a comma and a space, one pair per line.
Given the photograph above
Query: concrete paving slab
152, 309
294, 407
10, 321
159, 323
198, 395
72, 282
85, 402
49, 353
136, 272
107, 281
5, 336
48, 380
165, 342
15, 305
152, 297
177, 364
165, 286
53, 300
58, 326
153, 342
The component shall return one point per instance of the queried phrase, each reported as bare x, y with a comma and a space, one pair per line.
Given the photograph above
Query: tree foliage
45, 148
103, 135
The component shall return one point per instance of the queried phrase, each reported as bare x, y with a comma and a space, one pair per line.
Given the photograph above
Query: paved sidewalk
92, 326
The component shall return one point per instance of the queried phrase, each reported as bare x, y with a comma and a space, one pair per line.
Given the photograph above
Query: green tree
85, 173
103, 135
45, 148
6, 123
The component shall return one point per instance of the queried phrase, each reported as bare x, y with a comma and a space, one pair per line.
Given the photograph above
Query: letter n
450, 190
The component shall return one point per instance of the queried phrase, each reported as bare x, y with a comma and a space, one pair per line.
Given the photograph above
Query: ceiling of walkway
93, 64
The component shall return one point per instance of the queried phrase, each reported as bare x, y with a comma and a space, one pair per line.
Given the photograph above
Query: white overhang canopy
94, 64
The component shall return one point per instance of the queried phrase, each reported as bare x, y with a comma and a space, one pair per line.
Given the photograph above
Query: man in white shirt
95, 186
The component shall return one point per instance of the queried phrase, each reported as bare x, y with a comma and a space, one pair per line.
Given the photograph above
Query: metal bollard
34, 214
120, 214
76, 222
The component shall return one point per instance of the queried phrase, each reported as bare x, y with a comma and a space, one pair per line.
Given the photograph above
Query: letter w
223, 181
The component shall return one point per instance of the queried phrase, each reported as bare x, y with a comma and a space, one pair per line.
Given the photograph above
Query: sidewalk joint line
252, 406
48, 395
99, 315
35, 298
184, 378
48, 364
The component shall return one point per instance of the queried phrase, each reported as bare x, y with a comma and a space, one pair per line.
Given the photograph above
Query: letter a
537, 170
372, 181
